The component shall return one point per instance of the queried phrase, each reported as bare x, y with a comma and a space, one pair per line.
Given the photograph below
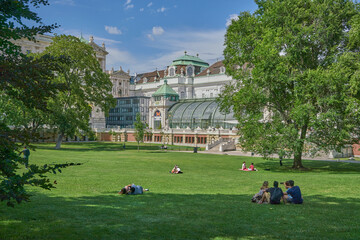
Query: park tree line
56, 89
296, 65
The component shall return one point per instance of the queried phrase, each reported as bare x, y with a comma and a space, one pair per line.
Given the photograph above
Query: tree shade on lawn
211, 200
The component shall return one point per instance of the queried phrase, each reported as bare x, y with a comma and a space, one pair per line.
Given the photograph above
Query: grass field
211, 200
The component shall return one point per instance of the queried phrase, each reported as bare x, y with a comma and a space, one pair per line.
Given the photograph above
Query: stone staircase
221, 145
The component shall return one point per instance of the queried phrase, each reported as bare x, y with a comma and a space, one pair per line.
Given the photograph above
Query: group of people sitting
132, 189
275, 195
251, 168
176, 170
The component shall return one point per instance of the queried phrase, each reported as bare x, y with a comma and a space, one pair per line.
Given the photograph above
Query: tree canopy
25, 87
296, 65
86, 84
139, 130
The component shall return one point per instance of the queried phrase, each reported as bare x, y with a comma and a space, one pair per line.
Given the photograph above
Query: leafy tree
86, 86
139, 130
14, 20
297, 76
26, 85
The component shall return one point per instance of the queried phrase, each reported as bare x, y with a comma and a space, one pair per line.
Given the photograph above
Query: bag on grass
276, 195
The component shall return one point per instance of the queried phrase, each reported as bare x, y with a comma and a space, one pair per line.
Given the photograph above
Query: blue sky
142, 35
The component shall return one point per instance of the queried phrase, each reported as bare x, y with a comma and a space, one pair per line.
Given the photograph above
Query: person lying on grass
276, 194
293, 193
176, 170
258, 196
132, 189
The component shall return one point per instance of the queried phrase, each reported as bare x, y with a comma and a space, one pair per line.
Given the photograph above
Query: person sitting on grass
276, 194
132, 189
293, 193
251, 168
176, 170
258, 196
243, 167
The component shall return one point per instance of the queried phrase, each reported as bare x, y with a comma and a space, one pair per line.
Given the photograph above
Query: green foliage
87, 87
14, 17
25, 87
139, 130
211, 200
296, 65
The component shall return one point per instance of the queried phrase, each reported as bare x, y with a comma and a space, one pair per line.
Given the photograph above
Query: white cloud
230, 18
65, 2
141, 9
162, 9
113, 30
151, 37
150, 4
157, 30
98, 40
208, 44
117, 58
129, 6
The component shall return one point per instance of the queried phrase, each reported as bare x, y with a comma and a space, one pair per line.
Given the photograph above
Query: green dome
165, 90
187, 60
82, 39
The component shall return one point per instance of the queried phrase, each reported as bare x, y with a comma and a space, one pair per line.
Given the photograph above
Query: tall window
172, 72
182, 94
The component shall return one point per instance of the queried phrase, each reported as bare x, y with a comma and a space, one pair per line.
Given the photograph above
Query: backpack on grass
276, 195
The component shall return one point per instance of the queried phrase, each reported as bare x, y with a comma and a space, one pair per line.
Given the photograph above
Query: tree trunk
59, 141
138, 146
297, 160
299, 149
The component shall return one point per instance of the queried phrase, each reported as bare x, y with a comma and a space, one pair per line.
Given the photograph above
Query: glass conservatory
199, 113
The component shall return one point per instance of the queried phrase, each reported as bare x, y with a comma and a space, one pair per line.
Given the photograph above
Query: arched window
182, 94
190, 71
222, 69
172, 72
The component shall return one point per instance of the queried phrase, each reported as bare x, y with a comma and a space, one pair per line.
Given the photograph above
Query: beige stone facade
121, 82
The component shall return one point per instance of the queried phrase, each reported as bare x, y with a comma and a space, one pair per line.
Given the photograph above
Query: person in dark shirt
293, 193
26, 153
132, 189
276, 194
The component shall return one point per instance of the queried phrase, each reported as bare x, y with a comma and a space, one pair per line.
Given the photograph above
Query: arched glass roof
201, 113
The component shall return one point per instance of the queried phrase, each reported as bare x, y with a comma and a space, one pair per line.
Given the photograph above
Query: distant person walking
26, 153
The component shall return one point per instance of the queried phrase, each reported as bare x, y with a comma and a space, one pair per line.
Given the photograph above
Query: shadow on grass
177, 216
311, 166
97, 147
110, 146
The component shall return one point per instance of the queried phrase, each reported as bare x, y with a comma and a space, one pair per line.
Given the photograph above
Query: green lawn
211, 200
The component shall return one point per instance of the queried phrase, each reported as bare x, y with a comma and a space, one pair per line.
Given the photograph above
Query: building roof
82, 39
188, 59
150, 76
119, 73
165, 90
213, 69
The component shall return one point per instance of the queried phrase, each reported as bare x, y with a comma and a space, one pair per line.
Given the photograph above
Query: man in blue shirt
293, 193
